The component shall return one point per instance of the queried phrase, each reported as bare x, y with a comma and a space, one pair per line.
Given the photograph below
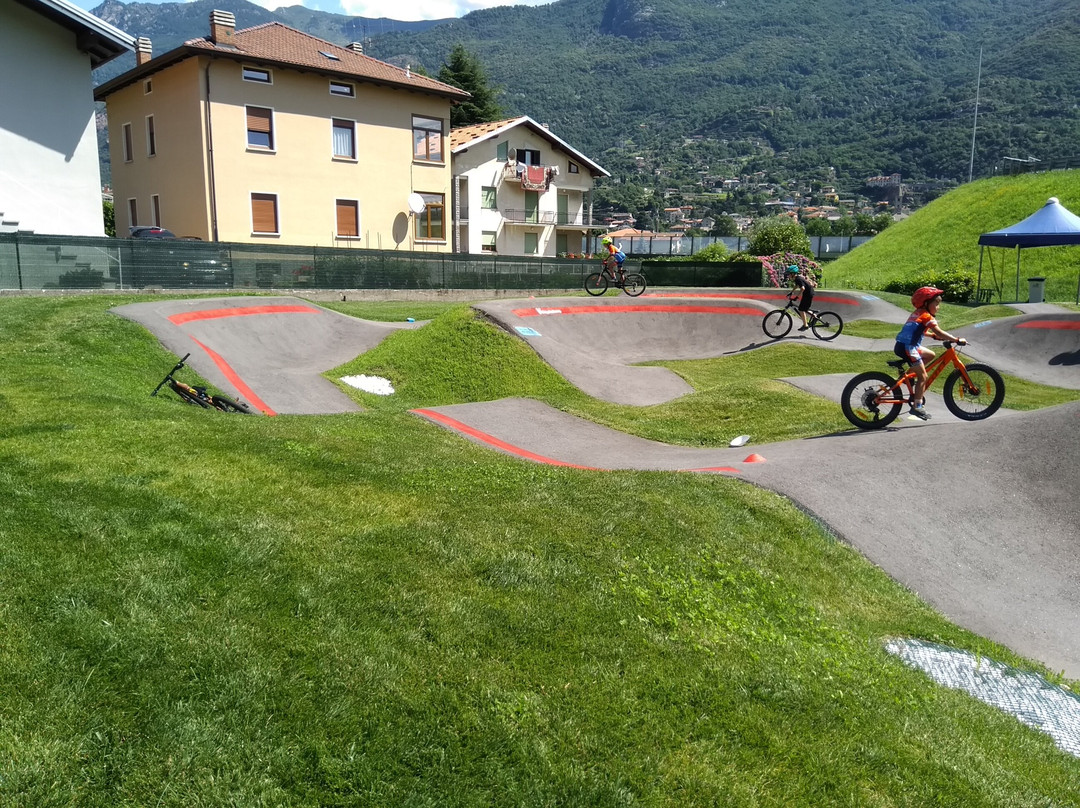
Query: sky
406, 10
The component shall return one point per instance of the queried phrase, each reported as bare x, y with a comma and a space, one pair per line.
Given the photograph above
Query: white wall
50, 180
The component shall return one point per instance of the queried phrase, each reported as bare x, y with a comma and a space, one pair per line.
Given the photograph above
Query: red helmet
924, 295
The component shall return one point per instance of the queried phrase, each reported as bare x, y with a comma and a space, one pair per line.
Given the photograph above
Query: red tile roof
278, 44
467, 134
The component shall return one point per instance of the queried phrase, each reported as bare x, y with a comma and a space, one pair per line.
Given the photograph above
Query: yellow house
270, 135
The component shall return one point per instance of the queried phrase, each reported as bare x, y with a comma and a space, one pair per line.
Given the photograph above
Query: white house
518, 189
50, 177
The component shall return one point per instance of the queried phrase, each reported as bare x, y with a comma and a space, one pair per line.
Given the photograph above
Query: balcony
549, 217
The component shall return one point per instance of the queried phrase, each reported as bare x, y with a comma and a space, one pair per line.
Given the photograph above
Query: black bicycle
633, 283
826, 325
198, 396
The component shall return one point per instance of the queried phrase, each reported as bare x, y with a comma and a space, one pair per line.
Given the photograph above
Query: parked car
151, 231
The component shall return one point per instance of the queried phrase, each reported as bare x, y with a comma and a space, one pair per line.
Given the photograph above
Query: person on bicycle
926, 301
614, 253
799, 282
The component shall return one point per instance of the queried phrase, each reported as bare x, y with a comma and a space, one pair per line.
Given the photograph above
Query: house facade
270, 135
520, 190
50, 177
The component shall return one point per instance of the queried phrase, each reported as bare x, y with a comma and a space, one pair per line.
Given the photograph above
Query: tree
108, 214
464, 71
818, 227
779, 234
725, 226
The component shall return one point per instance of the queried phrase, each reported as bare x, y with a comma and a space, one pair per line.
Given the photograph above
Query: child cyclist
807, 297
614, 253
926, 301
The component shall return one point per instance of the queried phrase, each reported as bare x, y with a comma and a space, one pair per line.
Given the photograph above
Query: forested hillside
700, 87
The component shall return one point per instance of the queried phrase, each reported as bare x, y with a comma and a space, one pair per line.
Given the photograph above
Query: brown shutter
347, 219
258, 119
264, 213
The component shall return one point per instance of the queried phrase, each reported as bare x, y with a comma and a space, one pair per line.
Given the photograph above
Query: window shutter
258, 119
264, 213
501, 151
348, 220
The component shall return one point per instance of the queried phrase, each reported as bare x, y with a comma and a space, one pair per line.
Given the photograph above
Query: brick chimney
222, 27
356, 47
144, 50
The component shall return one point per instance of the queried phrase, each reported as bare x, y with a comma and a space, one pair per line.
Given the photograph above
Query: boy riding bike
614, 253
926, 301
807, 297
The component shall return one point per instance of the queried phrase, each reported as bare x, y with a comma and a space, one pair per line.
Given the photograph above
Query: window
348, 218
148, 87
487, 241
264, 214
532, 206
344, 136
260, 128
133, 213
155, 210
343, 89
429, 222
151, 139
128, 151
528, 157
488, 198
531, 243
258, 74
502, 150
427, 139
572, 167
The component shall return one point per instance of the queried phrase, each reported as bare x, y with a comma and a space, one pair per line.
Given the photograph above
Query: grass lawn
201, 609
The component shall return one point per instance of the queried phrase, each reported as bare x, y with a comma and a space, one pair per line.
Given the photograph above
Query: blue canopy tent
1051, 226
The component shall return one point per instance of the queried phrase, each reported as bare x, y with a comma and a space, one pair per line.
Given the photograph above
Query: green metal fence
33, 262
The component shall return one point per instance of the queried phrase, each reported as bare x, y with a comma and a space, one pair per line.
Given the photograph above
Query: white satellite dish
416, 203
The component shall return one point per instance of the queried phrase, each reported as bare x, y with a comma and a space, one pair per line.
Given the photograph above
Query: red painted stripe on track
237, 382
491, 440
1056, 325
753, 296
541, 311
240, 311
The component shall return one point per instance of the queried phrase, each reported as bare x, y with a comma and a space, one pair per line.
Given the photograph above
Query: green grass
202, 609
945, 234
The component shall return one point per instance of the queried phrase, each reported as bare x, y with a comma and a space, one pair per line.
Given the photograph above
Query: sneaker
920, 412
803, 327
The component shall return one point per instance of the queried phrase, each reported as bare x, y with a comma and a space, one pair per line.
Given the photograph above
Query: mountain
666, 92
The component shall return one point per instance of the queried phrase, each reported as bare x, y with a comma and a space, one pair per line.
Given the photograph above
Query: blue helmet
794, 270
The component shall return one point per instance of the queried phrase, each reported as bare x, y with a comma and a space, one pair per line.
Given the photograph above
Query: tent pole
978, 282
1017, 273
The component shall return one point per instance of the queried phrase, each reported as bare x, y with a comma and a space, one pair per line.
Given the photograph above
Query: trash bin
1036, 288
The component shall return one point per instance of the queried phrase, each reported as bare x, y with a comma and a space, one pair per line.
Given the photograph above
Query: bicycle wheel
979, 401
826, 325
596, 284
776, 323
226, 404
860, 400
634, 284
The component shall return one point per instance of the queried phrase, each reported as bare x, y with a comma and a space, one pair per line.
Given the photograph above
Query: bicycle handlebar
168, 375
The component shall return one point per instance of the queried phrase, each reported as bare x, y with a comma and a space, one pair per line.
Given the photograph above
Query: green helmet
605, 240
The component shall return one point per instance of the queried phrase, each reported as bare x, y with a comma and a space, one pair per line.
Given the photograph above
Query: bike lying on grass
826, 325
633, 283
972, 392
198, 396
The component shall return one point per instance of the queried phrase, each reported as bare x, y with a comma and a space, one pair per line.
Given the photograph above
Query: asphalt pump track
980, 519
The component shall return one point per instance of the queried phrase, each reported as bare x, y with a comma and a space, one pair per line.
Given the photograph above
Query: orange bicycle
633, 283
972, 392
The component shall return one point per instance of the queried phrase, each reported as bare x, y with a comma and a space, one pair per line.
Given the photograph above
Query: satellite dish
416, 203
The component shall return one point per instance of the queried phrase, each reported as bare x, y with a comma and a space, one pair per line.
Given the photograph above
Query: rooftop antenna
978, 81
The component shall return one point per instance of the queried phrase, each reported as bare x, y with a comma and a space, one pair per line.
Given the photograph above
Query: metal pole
978, 81
18, 261
1017, 273
978, 282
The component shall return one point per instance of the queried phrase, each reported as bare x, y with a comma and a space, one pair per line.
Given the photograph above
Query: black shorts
805, 301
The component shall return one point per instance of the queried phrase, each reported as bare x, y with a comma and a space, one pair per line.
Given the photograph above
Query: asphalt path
980, 519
